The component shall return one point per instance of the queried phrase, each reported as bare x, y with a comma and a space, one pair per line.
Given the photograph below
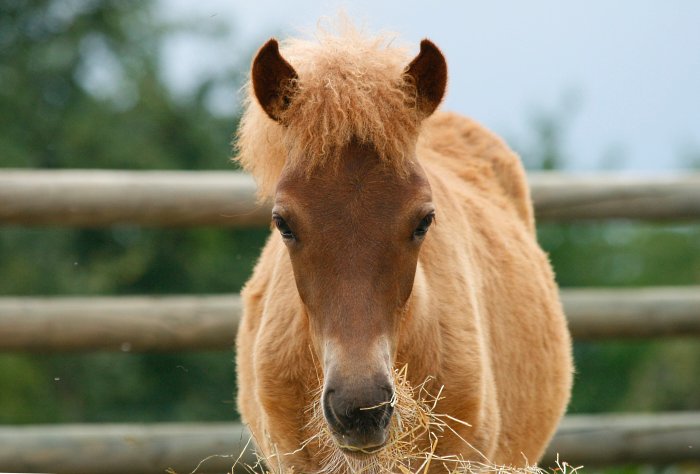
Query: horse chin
359, 453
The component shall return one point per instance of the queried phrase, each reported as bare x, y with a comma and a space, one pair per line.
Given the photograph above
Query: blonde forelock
349, 86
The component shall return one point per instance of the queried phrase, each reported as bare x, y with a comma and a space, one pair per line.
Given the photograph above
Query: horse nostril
387, 409
330, 413
391, 396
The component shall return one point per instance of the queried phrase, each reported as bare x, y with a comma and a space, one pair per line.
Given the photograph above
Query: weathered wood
96, 198
137, 324
650, 312
602, 440
563, 197
177, 323
122, 448
590, 440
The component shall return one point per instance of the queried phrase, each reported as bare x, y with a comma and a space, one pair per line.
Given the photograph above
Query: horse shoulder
252, 296
480, 158
273, 311
253, 293
275, 372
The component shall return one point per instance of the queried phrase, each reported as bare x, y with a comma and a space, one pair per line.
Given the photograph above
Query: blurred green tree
613, 375
82, 88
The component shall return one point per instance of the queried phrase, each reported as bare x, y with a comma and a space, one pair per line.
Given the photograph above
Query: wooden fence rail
121, 448
122, 323
177, 323
590, 440
650, 312
603, 440
95, 198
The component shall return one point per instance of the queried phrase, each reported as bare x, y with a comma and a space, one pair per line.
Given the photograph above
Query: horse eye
423, 226
282, 226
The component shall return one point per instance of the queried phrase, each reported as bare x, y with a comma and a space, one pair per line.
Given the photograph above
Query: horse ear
273, 79
428, 73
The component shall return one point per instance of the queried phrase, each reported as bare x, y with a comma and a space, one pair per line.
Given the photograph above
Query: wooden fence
170, 199
180, 198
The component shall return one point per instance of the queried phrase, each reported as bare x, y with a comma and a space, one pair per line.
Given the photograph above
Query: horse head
353, 225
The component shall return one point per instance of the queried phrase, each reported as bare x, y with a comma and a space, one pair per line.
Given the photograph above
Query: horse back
480, 158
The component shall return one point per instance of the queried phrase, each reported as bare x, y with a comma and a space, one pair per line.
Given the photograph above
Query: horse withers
403, 237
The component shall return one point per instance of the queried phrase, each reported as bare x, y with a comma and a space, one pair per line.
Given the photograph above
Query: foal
404, 237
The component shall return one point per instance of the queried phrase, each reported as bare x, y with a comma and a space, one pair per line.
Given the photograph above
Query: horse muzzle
360, 425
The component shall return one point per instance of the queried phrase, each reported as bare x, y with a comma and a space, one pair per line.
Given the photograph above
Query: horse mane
349, 86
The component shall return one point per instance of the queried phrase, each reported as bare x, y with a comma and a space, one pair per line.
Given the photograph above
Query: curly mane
349, 87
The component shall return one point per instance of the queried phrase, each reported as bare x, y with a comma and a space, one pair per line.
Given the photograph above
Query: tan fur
483, 317
341, 81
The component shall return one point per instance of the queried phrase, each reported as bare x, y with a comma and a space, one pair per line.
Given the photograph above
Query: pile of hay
414, 424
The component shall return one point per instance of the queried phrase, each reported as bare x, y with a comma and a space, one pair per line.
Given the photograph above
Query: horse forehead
359, 180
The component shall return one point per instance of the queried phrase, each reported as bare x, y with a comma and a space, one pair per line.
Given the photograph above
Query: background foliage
82, 88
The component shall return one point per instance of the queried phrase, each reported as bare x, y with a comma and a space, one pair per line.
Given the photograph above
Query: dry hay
415, 423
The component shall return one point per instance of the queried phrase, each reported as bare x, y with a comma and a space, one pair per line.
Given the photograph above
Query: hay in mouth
415, 432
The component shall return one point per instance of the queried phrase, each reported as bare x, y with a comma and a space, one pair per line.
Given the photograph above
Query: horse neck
443, 309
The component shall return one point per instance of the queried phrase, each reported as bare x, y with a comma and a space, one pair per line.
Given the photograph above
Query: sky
622, 78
